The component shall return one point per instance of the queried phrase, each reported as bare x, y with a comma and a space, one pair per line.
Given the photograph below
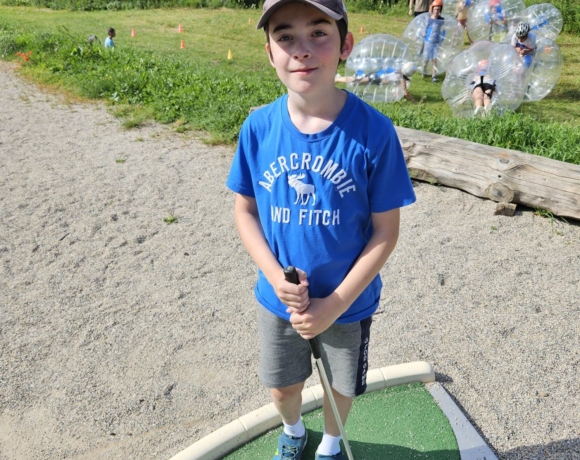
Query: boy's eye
319, 33
284, 38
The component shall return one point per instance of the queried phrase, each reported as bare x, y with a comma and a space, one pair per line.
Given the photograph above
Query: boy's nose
301, 51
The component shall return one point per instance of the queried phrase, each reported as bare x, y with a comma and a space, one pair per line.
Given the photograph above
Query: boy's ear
347, 46
269, 52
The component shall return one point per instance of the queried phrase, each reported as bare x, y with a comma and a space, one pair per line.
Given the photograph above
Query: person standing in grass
495, 17
421, 6
433, 37
109, 43
461, 13
319, 177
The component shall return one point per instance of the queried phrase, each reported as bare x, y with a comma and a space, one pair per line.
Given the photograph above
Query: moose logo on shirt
303, 191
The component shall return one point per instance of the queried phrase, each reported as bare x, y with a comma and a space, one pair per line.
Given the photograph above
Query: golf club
292, 277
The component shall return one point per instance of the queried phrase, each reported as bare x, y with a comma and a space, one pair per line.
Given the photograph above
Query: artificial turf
398, 423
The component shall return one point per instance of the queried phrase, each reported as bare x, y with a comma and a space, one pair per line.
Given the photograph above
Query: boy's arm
322, 313
250, 230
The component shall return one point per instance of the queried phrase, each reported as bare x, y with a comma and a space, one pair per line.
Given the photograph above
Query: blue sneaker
339, 456
289, 447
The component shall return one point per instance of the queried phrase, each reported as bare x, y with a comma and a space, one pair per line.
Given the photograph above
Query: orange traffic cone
180, 29
133, 34
182, 44
362, 29
230, 55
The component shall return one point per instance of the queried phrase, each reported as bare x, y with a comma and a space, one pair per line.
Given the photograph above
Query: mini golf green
397, 423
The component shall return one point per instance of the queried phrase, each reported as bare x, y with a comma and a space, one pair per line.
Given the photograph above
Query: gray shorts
285, 357
430, 51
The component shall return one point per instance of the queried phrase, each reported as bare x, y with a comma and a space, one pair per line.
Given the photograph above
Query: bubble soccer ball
544, 71
417, 37
484, 61
544, 19
377, 67
494, 19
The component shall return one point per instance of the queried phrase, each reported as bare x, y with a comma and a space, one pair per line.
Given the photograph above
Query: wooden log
501, 175
505, 209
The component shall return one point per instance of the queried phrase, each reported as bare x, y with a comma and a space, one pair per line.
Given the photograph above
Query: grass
549, 215
133, 116
200, 89
171, 219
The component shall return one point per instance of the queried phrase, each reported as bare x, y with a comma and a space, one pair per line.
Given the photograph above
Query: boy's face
436, 11
304, 47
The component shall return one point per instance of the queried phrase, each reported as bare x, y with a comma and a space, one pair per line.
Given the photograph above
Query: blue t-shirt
109, 43
315, 193
434, 32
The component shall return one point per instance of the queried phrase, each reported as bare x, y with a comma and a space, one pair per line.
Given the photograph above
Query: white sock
329, 445
297, 430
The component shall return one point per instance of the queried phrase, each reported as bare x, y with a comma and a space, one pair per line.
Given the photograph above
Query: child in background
390, 76
524, 42
433, 37
495, 17
482, 87
461, 13
109, 43
319, 177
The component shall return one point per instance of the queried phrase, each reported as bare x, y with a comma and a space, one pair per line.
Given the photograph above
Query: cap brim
266, 16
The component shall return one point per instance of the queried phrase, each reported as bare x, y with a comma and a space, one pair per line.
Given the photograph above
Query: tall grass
559, 141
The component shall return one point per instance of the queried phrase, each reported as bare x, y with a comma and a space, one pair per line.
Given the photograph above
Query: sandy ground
123, 337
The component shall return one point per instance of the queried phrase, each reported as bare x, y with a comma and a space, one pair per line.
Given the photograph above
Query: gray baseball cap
336, 9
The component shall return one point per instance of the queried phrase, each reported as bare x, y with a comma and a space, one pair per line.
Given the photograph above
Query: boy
109, 40
319, 178
524, 42
433, 36
495, 17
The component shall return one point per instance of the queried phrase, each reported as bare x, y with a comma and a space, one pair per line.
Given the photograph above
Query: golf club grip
291, 276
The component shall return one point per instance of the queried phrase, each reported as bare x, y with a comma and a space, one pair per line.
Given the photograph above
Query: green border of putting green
237, 433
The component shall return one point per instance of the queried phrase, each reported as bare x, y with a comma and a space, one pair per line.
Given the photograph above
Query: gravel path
123, 337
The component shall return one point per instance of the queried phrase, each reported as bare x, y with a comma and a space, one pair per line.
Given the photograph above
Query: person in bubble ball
403, 78
433, 38
482, 86
390, 75
497, 22
461, 13
524, 42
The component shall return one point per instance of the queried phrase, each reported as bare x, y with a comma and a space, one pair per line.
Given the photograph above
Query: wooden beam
501, 175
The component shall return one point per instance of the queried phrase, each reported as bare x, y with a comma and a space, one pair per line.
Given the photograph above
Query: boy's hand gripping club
292, 277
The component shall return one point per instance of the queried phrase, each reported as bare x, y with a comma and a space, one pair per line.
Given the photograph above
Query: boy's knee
339, 396
287, 393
